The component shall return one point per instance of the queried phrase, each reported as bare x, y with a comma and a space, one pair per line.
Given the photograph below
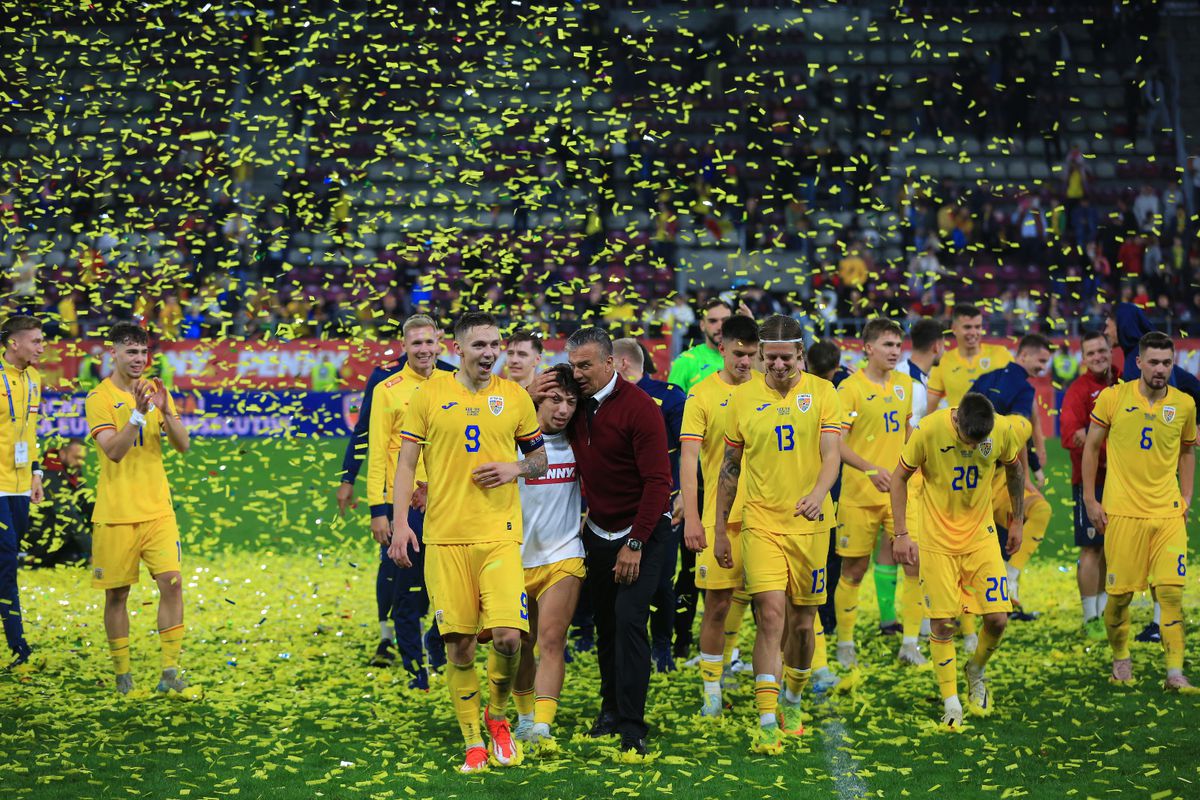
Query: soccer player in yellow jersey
702, 444
782, 430
1037, 512
134, 518
400, 595
962, 570
1150, 427
877, 401
20, 473
465, 426
959, 368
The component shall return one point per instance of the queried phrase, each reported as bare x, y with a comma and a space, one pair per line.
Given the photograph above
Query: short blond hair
418, 321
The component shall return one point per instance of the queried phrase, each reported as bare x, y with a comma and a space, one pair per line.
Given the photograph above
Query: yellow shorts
539, 579
976, 581
792, 563
1137, 549
858, 528
710, 574
117, 549
476, 587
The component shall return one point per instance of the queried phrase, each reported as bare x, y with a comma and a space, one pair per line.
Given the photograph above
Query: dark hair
592, 335
777, 327
127, 333
976, 417
1090, 335
823, 357
564, 378
15, 324
964, 310
925, 333
526, 335
1033, 341
1156, 340
878, 327
739, 328
472, 319
716, 302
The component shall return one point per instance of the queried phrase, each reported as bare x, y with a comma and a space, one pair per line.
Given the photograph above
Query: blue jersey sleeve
673, 415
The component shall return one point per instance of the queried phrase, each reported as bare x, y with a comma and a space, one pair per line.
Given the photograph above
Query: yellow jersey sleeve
913, 454
416, 420
99, 413
379, 435
832, 414
1189, 425
733, 422
695, 417
529, 432
1106, 403
937, 379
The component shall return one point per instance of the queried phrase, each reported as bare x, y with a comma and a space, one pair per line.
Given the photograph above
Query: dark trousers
833, 573
14, 523
686, 598
621, 613
662, 617
401, 597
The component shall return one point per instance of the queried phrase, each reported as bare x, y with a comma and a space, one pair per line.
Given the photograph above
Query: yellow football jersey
389, 401
1144, 441
957, 494
460, 431
780, 437
954, 375
876, 420
18, 433
1022, 428
704, 422
135, 489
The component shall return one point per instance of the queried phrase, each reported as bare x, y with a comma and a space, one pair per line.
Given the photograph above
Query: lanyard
12, 409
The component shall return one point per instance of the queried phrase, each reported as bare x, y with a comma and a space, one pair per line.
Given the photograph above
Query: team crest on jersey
899, 392
1168, 414
351, 404
985, 364
495, 404
804, 402
985, 448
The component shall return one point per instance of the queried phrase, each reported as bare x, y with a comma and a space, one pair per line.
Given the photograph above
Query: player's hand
629, 564
881, 479
541, 386
744, 309
677, 510
904, 550
809, 506
490, 476
37, 494
142, 390
1079, 438
345, 498
1096, 514
693, 535
381, 529
723, 549
402, 538
1041, 454
158, 395
1039, 477
420, 496
1016, 533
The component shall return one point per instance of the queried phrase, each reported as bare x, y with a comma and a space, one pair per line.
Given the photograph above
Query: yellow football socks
766, 697
1037, 519
820, 658
711, 669
912, 607
845, 603
966, 624
545, 709
988, 642
171, 642
501, 670
733, 622
463, 685
119, 650
1170, 600
524, 701
1116, 620
795, 679
945, 666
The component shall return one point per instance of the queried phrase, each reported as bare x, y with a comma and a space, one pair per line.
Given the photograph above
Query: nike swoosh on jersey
764, 405
451, 404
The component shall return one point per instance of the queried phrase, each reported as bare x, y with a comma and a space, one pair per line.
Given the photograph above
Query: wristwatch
633, 544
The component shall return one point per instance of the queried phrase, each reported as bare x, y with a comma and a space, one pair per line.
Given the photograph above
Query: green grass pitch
281, 619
